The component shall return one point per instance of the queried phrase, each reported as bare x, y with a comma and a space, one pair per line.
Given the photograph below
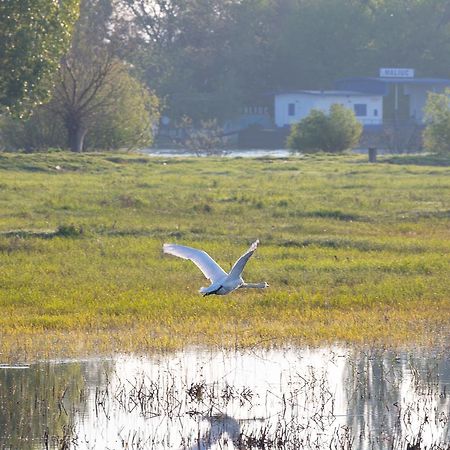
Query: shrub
41, 131
333, 133
204, 139
436, 136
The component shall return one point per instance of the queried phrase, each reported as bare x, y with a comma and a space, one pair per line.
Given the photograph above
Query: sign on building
392, 72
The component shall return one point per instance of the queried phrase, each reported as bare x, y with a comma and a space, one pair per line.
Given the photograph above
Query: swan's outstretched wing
201, 259
239, 265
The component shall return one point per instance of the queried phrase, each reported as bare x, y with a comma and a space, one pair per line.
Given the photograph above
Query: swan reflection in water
221, 426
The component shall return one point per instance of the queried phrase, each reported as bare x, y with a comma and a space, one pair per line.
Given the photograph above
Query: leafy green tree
436, 136
34, 34
334, 133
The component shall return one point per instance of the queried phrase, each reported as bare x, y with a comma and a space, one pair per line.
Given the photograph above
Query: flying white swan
221, 282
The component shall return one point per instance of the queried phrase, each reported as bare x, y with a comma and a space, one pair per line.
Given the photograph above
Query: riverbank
353, 252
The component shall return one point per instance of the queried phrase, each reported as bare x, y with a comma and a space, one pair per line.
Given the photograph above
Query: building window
291, 109
360, 109
375, 112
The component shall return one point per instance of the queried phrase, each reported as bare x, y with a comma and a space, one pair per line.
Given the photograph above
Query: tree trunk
76, 134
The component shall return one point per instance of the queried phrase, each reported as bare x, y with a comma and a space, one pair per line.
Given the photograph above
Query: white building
291, 107
404, 97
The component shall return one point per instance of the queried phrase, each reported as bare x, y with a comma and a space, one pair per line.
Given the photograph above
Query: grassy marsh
353, 252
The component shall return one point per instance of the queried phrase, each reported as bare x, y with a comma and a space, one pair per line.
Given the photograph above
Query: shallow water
332, 397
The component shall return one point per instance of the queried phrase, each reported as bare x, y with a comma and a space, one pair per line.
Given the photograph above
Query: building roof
393, 80
330, 93
380, 85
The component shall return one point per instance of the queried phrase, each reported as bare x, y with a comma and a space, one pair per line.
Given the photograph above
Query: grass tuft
68, 231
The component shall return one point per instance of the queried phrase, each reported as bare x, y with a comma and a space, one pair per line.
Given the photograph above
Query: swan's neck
255, 285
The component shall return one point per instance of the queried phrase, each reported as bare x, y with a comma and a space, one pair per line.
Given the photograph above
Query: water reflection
222, 428
294, 398
39, 402
399, 398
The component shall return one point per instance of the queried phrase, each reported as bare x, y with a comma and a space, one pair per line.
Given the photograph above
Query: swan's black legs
213, 292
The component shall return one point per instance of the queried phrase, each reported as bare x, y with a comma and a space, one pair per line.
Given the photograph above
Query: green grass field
353, 252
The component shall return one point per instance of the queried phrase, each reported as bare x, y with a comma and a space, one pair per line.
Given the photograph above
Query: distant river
233, 153
242, 153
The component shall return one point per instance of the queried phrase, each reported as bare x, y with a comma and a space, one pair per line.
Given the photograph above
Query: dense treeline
207, 57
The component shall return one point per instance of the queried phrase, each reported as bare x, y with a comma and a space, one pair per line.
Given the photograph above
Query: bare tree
85, 88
